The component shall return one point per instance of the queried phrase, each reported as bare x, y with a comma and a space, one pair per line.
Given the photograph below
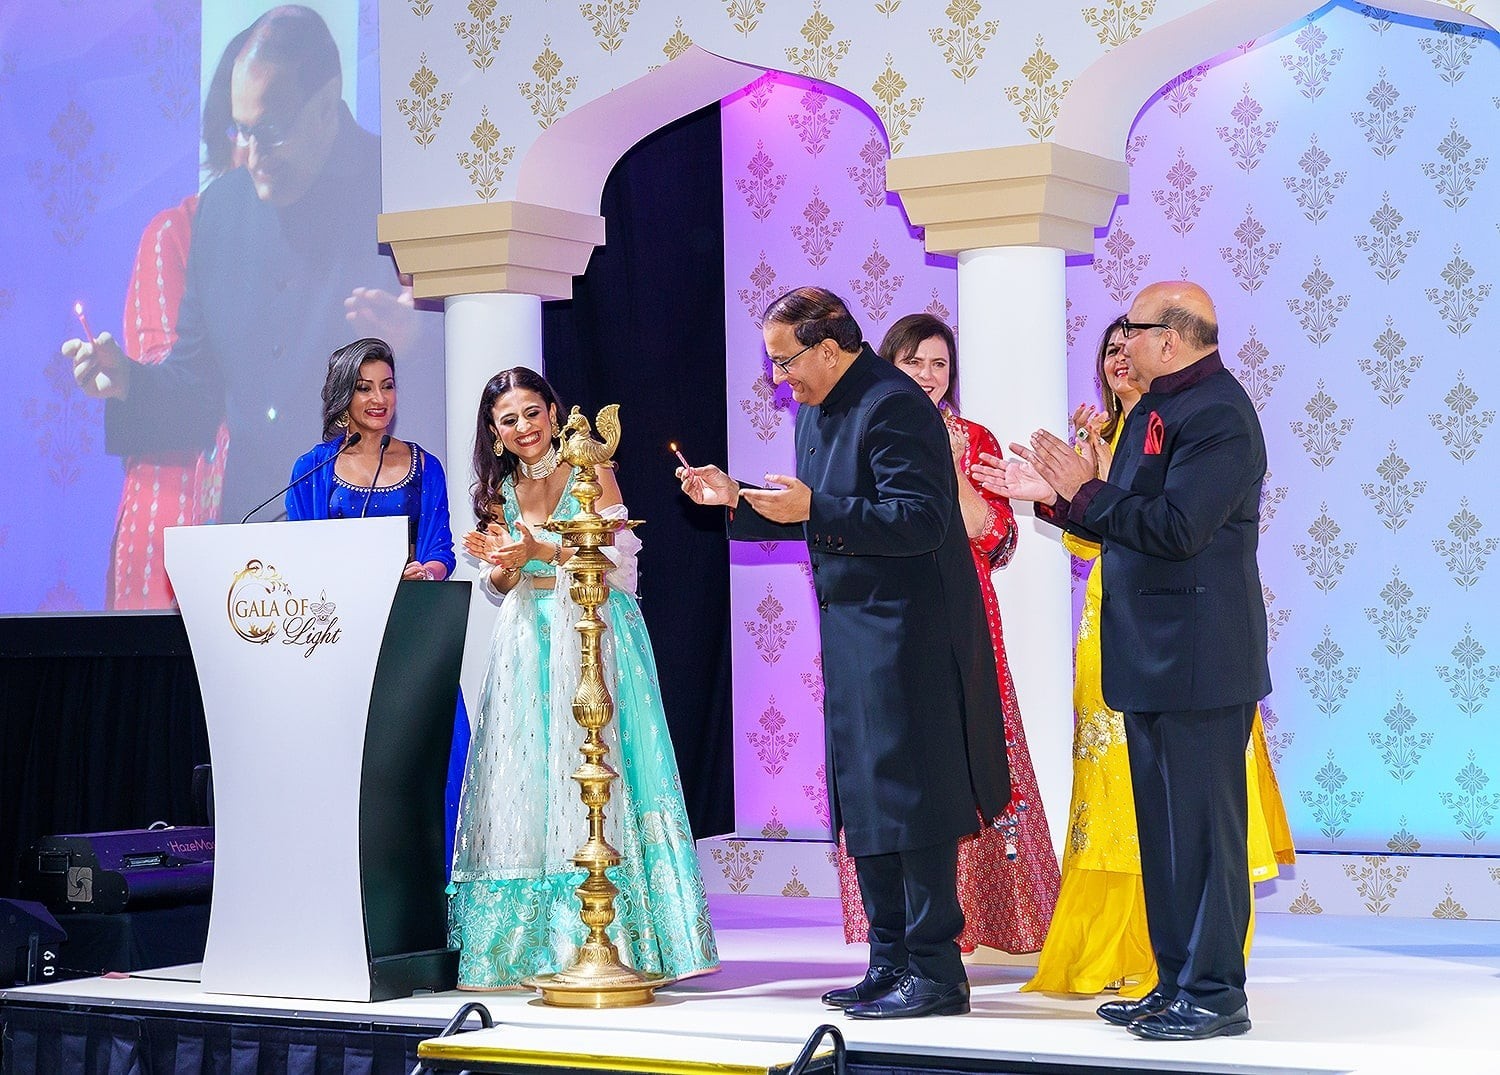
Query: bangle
556, 554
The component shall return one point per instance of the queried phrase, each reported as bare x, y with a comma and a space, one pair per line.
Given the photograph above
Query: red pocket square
1154, 433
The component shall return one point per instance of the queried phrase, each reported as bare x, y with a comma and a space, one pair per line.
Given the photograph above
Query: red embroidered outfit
168, 489
1007, 876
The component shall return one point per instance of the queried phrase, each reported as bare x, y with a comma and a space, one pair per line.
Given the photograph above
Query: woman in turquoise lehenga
514, 912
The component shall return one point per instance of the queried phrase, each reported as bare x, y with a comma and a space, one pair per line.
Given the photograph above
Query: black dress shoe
1123, 1012
913, 997
876, 982
1181, 1021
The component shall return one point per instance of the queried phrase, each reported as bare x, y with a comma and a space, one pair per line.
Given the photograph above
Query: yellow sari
1098, 939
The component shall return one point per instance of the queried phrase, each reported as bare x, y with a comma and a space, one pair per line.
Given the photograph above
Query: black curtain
101, 724
645, 329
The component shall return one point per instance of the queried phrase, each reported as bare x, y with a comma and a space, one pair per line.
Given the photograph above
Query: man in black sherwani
1183, 641
913, 727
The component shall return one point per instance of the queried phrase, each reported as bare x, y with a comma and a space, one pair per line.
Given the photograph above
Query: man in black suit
1183, 641
913, 727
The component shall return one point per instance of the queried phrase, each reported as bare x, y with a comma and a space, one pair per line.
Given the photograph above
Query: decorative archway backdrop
1330, 186
476, 85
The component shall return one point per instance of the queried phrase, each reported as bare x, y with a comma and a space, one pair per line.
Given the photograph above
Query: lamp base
625, 988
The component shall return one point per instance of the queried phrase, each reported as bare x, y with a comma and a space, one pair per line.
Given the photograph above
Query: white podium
329, 689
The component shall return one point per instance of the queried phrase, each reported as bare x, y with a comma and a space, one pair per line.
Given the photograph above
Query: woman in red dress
1007, 872
172, 488
167, 488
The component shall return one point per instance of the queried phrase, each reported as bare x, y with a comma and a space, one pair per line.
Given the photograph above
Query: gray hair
1196, 330
343, 372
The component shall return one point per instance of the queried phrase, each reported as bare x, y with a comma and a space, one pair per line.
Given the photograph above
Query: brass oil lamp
597, 977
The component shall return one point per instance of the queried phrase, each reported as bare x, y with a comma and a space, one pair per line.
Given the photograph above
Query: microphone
349, 442
385, 442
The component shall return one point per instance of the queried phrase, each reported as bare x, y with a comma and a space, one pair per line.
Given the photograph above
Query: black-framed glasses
1130, 328
267, 135
784, 363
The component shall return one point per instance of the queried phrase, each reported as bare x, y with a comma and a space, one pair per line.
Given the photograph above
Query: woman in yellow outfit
1098, 939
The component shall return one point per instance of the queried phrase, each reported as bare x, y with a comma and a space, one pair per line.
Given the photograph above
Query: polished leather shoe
1182, 1021
1124, 1012
913, 997
876, 982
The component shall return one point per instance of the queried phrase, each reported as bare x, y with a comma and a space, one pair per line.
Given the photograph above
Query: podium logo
263, 606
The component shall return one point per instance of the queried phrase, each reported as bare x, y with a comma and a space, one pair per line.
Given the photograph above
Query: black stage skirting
37, 1039
66, 1038
71, 1036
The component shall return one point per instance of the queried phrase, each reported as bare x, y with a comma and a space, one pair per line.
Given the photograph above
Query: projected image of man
283, 259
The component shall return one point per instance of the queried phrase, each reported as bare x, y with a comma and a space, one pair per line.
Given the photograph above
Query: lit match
88, 333
102, 380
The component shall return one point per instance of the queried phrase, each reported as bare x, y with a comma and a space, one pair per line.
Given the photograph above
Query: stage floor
1327, 994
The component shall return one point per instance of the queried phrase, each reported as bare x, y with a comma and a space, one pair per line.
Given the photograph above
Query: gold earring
556, 430
499, 448
342, 421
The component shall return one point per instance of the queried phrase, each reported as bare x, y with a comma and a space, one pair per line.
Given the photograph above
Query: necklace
543, 467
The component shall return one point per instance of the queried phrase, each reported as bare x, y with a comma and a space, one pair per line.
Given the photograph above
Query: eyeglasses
1130, 328
268, 135
783, 363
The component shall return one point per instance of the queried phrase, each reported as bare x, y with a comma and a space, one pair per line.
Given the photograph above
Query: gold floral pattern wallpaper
1331, 186
942, 76
804, 202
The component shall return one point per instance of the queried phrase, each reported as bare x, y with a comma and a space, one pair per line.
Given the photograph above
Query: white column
483, 334
1013, 379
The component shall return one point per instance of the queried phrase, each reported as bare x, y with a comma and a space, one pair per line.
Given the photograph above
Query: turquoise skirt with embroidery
514, 909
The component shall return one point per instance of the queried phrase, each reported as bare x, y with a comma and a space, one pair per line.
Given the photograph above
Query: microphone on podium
349, 442
385, 442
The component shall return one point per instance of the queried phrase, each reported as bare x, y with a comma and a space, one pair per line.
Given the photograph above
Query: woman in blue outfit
368, 480
514, 912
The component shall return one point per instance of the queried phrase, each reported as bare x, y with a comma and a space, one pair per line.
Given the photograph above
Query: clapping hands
1055, 461
499, 549
1014, 479
1049, 467
958, 437
1088, 428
